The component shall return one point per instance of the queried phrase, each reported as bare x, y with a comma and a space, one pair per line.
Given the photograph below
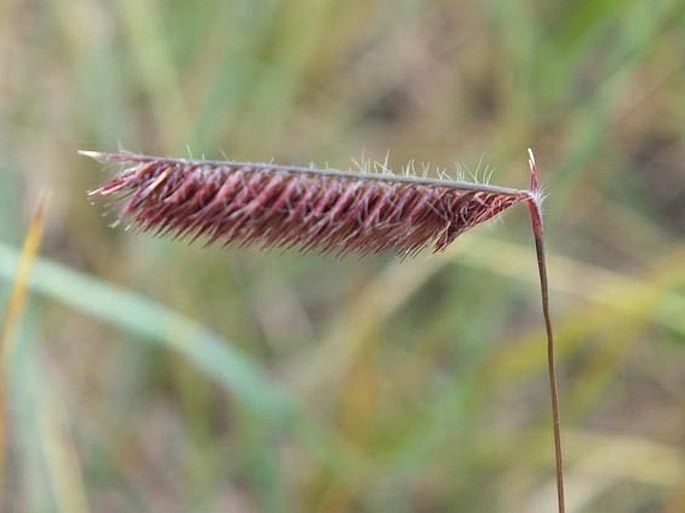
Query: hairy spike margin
269, 205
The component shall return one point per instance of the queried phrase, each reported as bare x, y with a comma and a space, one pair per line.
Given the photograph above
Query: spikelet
283, 206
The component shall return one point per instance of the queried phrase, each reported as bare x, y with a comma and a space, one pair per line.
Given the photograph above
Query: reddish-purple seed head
333, 211
269, 205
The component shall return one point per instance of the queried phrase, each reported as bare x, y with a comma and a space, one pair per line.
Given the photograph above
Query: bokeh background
150, 376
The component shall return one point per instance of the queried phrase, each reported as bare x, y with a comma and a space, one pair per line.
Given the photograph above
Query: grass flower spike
331, 211
280, 206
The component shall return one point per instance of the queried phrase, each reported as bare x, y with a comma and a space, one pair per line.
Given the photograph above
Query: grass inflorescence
282, 206
334, 211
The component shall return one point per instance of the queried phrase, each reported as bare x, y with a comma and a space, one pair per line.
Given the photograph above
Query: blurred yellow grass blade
599, 464
15, 307
384, 295
19, 291
623, 296
638, 300
612, 297
61, 456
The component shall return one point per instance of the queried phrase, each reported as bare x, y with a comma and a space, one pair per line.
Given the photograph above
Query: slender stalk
536, 221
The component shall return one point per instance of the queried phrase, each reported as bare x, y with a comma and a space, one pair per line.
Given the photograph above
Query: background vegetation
150, 376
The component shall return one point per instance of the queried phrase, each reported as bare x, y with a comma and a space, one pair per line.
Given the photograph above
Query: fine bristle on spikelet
268, 205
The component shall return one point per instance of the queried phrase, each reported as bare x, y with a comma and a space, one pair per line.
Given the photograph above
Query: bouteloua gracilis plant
332, 211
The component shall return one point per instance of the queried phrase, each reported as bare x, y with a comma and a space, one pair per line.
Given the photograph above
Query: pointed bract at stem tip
96, 155
89, 153
534, 179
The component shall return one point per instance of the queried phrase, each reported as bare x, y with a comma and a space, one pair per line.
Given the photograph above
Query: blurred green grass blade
26, 385
95, 66
156, 323
50, 472
157, 71
244, 29
210, 353
52, 425
582, 20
